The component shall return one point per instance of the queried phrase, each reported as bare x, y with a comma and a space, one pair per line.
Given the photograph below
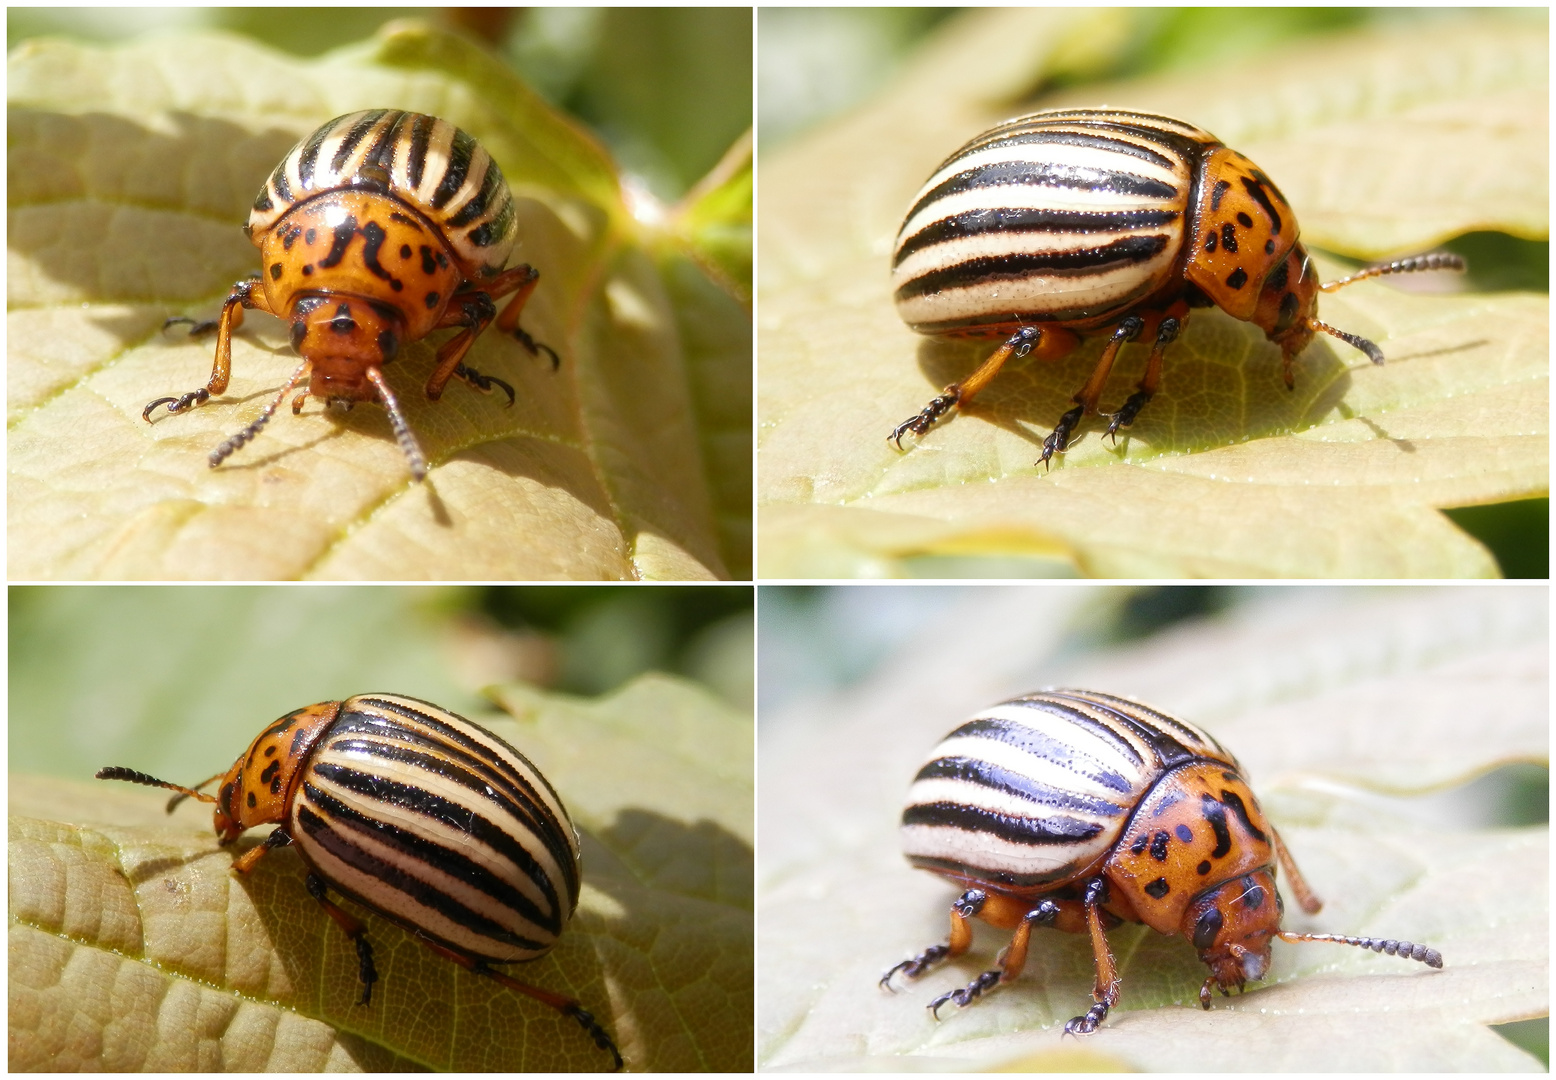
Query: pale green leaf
1326, 699
133, 946
131, 170
1425, 133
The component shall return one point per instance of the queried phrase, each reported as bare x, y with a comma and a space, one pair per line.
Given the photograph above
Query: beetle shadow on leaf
702, 860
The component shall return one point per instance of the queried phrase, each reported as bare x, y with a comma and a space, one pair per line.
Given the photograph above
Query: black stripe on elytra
1094, 142
1172, 740
1046, 174
1083, 262
496, 227
282, 186
1215, 813
308, 154
962, 869
332, 838
459, 155
1032, 741
518, 782
1024, 219
986, 774
421, 137
491, 184
416, 847
1056, 829
357, 133
381, 153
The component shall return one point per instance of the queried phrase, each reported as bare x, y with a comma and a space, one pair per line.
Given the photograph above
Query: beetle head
257, 789
1231, 926
341, 337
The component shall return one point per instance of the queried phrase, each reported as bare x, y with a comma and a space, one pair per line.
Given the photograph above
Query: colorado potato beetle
1081, 810
377, 229
1069, 221
418, 815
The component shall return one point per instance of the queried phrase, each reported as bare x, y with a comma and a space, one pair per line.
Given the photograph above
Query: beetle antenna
402, 430
1440, 260
1409, 950
228, 448
1356, 341
118, 772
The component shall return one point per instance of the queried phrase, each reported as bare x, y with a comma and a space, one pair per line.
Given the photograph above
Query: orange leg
565, 1005
1299, 887
246, 862
1151, 382
1105, 992
248, 293
1049, 343
1086, 399
474, 309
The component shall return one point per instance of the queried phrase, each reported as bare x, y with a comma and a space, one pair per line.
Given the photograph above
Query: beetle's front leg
474, 311
1105, 993
248, 293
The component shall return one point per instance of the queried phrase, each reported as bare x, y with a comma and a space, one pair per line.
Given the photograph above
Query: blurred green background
816, 63
667, 89
820, 639
177, 681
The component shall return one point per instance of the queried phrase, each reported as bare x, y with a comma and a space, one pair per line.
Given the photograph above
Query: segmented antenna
1408, 949
118, 772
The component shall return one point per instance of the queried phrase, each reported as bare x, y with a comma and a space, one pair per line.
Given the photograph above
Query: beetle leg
565, 1005
963, 908
354, 930
473, 311
522, 278
1105, 993
247, 293
1086, 400
228, 448
1299, 887
1049, 343
484, 383
277, 838
1166, 333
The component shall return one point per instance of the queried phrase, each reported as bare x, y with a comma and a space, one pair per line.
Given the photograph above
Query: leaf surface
131, 170
1396, 141
133, 946
1326, 702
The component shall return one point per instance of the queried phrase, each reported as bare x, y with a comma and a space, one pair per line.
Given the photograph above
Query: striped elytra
377, 229
1072, 221
419, 815
1079, 810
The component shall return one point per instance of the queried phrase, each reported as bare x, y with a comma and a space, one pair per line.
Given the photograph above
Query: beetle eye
1206, 929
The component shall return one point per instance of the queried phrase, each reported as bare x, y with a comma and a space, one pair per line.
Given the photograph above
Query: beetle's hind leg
354, 930
565, 1005
963, 908
247, 293
1011, 961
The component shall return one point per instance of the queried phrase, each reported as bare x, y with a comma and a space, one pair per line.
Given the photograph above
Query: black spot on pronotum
432, 301
270, 751
308, 270
275, 272
1184, 833
1203, 868
1158, 888
1269, 247
429, 264
1215, 813
310, 236
1229, 238
405, 249
1244, 220
1235, 801
1217, 192
1206, 929
1159, 846
1138, 847
1237, 278
1228, 775
253, 802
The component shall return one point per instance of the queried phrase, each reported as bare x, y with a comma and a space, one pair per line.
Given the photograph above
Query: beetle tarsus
966, 995
536, 347
484, 383
177, 404
919, 964
600, 1036
1085, 1025
918, 425
1059, 439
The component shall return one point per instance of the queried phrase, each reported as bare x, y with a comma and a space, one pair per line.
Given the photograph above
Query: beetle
1081, 810
1064, 222
375, 230
418, 815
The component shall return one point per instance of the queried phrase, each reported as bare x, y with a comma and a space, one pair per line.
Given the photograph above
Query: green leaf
131, 169
133, 946
1327, 702
1382, 141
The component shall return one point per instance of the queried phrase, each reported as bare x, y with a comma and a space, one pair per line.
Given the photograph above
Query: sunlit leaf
131, 169
133, 947
1397, 139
